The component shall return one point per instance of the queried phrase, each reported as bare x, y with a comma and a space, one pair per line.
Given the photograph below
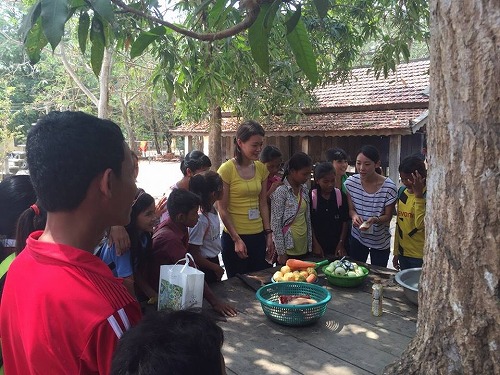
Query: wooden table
346, 340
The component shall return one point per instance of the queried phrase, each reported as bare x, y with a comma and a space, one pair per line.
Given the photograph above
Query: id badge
253, 213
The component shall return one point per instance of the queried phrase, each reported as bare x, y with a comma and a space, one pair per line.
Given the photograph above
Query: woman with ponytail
243, 207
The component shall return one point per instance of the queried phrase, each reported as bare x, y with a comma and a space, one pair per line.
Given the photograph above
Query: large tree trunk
104, 79
459, 311
215, 134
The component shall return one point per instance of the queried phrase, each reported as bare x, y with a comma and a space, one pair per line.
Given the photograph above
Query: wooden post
394, 157
188, 144
206, 149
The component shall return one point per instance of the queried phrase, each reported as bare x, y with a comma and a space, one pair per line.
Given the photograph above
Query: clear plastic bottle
377, 298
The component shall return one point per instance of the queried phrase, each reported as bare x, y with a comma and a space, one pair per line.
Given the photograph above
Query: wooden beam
394, 157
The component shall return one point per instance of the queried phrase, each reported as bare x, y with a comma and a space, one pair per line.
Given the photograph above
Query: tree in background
459, 300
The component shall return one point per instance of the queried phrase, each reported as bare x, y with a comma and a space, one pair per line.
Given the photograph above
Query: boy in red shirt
62, 310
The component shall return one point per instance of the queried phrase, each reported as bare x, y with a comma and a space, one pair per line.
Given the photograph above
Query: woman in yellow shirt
243, 207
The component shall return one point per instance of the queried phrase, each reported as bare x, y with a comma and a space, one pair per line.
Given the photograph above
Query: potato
289, 276
285, 269
312, 271
277, 275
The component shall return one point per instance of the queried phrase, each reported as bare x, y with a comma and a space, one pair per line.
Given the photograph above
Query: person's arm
317, 249
223, 308
119, 236
203, 262
356, 219
418, 190
264, 214
278, 201
340, 249
128, 282
145, 288
395, 259
222, 206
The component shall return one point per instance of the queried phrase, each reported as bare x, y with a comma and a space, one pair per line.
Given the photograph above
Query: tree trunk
459, 302
104, 78
128, 124
215, 136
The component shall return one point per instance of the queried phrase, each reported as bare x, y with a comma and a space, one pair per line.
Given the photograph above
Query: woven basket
345, 281
293, 315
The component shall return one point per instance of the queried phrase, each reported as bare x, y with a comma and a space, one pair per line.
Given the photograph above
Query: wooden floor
346, 340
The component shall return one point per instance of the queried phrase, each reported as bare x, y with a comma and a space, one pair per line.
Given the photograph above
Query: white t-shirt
206, 234
370, 205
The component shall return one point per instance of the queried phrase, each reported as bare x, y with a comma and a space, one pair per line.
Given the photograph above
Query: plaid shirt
284, 207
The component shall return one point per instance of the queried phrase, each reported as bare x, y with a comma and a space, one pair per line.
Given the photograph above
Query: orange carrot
296, 264
311, 278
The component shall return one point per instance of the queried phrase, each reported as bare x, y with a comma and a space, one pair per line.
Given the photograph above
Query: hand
161, 206
357, 220
119, 236
395, 262
269, 242
340, 250
318, 250
219, 272
418, 184
225, 309
282, 259
240, 248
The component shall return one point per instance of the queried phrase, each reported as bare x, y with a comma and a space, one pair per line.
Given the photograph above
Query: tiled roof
407, 85
326, 124
363, 106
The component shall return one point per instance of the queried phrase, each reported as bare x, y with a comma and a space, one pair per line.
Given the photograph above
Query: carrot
296, 264
311, 278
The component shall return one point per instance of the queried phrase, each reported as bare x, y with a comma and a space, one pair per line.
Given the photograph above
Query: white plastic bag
181, 286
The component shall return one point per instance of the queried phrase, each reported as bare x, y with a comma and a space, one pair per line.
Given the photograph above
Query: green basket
345, 281
293, 315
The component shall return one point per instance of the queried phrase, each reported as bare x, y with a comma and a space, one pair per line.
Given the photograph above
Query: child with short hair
290, 214
170, 242
340, 161
409, 236
329, 213
204, 237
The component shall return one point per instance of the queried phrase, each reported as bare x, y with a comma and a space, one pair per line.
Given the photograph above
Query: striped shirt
370, 205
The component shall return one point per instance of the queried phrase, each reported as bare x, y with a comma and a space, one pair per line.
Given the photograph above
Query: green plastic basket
293, 315
345, 281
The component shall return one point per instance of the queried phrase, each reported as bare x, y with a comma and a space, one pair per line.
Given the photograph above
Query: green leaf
30, 20
271, 14
54, 16
144, 40
216, 12
83, 30
258, 37
291, 23
77, 3
302, 49
103, 8
98, 42
168, 84
322, 7
35, 41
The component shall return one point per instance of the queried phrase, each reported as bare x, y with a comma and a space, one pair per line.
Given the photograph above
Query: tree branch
75, 78
252, 13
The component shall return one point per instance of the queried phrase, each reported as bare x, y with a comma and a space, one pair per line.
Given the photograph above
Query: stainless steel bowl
409, 280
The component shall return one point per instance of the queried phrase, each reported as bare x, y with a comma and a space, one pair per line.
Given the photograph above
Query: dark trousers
378, 257
256, 250
407, 262
210, 276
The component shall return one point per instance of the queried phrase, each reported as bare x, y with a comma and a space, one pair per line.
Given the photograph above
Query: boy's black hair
322, 169
174, 343
298, 161
203, 185
411, 164
181, 201
269, 153
16, 195
66, 151
244, 132
336, 154
370, 152
195, 160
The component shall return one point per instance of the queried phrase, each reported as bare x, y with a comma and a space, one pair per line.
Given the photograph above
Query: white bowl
409, 280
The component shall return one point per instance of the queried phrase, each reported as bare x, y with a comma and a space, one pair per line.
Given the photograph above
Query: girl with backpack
329, 213
290, 213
